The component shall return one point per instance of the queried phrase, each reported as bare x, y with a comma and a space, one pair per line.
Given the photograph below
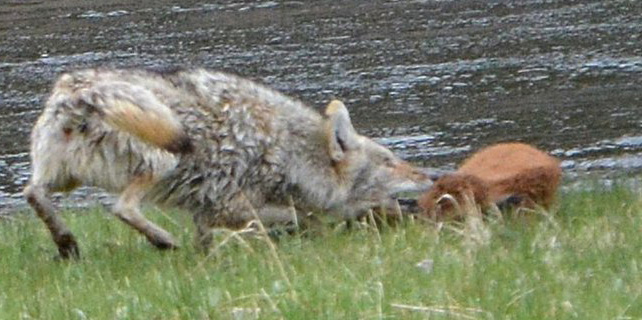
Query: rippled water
433, 79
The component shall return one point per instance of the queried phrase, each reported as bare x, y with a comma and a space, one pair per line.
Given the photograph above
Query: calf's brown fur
516, 174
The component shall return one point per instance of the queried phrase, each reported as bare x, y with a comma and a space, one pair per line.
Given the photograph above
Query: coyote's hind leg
127, 209
37, 197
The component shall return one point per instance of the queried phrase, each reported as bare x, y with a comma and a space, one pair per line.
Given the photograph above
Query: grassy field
581, 262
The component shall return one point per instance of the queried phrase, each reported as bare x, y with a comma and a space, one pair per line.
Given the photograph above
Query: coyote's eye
389, 161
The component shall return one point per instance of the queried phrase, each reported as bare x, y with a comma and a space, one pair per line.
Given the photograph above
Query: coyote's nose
421, 180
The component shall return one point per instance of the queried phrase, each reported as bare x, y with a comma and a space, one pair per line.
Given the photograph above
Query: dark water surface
434, 79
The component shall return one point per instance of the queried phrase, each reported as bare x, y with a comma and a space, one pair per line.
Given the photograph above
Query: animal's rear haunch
224, 147
507, 174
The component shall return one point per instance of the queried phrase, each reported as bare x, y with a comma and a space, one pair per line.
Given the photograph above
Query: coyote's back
224, 147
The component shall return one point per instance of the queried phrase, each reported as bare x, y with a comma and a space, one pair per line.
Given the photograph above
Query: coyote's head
369, 174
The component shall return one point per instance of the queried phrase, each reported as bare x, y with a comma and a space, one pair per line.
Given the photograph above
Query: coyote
512, 174
223, 147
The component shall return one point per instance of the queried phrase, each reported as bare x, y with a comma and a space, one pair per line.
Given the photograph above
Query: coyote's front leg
269, 215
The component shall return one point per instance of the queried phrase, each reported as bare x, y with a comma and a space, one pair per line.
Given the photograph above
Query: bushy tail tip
181, 144
138, 112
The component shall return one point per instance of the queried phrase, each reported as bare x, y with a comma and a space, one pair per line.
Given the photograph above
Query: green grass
582, 262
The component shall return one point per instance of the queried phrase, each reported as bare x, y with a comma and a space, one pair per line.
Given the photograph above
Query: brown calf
513, 174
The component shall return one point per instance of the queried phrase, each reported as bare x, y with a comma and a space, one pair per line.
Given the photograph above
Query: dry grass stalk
451, 311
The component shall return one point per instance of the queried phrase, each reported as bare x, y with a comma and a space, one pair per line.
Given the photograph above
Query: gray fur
237, 147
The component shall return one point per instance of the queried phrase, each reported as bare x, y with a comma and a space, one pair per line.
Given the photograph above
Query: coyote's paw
67, 246
163, 242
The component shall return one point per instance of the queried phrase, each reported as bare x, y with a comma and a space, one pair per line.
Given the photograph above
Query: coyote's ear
339, 130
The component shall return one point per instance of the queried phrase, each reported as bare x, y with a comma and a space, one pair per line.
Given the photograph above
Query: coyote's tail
138, 111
